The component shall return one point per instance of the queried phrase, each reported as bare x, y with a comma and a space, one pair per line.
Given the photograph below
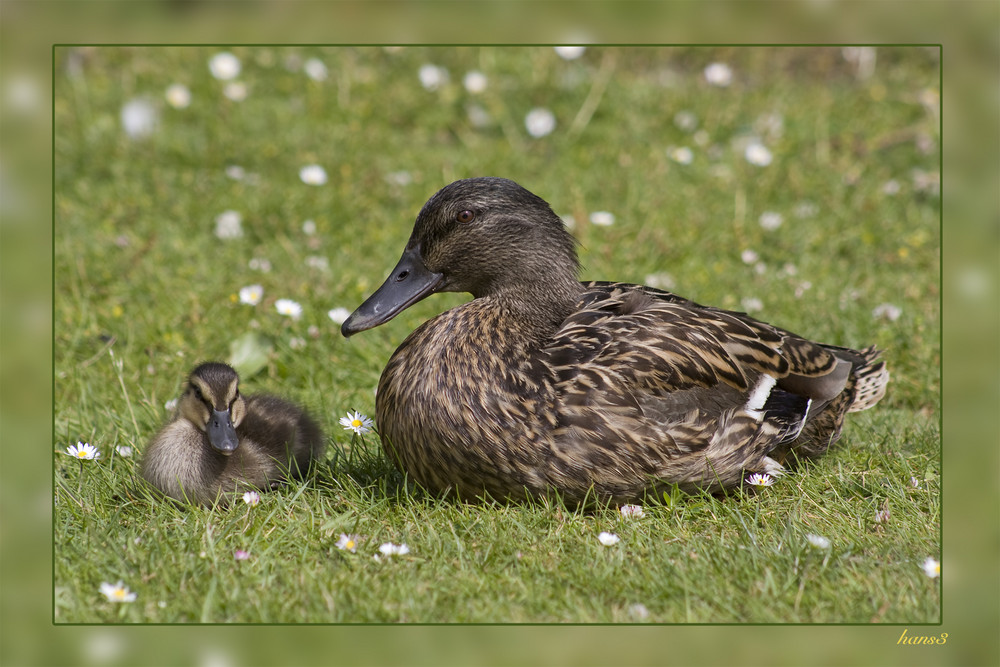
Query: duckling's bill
407, 284
221, 432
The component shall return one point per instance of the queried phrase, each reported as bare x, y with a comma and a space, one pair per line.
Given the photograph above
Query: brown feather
596, 390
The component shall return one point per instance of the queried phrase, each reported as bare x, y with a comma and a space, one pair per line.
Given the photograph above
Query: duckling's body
605, 390
220, 442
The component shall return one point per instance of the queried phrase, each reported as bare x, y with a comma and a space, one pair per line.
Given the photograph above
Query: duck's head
484, 236
212, 402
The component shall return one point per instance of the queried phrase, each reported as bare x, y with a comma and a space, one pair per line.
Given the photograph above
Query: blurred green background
970, 242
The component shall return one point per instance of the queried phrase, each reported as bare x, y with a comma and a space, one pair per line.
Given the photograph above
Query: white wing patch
758, 397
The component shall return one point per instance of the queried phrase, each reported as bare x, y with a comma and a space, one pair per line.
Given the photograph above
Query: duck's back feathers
282, 430
670, 378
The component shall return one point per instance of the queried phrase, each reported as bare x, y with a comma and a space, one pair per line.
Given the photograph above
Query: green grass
139, 272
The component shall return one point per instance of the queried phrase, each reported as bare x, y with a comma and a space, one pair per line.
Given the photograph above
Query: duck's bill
221, 433
408, 283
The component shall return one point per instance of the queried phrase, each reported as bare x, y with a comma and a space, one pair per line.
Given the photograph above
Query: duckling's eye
465, 216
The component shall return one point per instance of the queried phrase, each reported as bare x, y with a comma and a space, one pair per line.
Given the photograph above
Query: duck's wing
670, 377
661, 343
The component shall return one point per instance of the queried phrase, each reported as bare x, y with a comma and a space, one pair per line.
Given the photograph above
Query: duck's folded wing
631, 349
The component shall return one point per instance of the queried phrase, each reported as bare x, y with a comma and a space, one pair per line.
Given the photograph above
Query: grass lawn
832, 231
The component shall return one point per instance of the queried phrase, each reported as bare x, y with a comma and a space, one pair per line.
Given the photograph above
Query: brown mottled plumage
220, 442
544, 383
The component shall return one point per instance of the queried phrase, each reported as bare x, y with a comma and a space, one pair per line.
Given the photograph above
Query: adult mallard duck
602, 390
219, 441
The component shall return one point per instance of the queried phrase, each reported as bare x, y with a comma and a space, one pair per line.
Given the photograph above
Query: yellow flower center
356, 423
350, 544
81, 454
119, 594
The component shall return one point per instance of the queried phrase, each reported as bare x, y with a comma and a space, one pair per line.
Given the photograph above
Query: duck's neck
538, 309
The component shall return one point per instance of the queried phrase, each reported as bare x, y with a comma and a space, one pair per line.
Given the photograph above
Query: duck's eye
465, 216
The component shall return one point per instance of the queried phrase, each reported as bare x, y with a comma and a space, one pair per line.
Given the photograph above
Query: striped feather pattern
595, 390
637, 389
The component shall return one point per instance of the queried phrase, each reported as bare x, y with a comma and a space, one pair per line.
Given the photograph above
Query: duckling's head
212, 402
485, 236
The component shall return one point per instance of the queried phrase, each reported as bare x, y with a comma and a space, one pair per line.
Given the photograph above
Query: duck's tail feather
871, 378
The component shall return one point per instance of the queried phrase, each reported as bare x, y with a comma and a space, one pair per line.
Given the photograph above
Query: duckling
219, 441
596, 390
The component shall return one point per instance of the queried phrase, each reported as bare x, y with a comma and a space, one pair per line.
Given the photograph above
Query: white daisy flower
751, 304
932, 568
178, 96
686, 121
806, 209
241, 554
251, 498
432, 77
236, 91
315, 69
660, 281
229, 225
602, 218
313, 174
608, 539
309, 227
124, 451
118, 592
478, 116
318, 262
757, 154
770, 220
719, 74
749, 256
758, 479
236, 172
474, 81
339, 315
24, 93
540, 122
251, 294
569, 52
887, 311
261, 264
638, 611
390, 549
83, 451
629, 511
818, 541
357, 422
224, 66
400, 178
289, 308
138, 118
348, 543
681, 154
